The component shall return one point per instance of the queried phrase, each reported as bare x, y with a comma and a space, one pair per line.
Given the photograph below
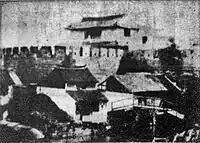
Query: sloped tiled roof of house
31, 70
34, 75
140, 82
76, 75
60, 75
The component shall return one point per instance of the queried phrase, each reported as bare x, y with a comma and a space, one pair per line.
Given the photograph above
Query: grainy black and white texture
99, 70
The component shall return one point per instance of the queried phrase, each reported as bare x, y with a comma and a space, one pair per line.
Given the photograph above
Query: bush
171, 58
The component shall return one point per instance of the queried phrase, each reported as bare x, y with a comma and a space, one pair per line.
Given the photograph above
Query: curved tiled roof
110, 17
108, 22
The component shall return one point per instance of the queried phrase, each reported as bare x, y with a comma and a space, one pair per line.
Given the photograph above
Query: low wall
15, 132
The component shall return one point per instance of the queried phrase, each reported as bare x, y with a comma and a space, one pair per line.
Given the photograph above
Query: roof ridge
135, 73
108, 17
71, 68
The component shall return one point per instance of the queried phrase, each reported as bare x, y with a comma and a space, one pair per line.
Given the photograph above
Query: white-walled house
140, 90
91, 105
71, 100
74, 91
61, 77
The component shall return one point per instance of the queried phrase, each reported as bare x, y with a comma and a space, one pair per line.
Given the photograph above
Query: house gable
112, 84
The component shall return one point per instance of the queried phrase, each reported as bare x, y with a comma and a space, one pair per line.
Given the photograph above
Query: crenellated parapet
103, 51
106, 50
26, 51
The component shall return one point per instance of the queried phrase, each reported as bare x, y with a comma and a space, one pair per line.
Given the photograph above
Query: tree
134, 62
171, 58
192, 106
68, 61
26, 69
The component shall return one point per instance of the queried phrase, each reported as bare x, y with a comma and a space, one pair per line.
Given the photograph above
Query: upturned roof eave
101, 27
89, 27
110, 17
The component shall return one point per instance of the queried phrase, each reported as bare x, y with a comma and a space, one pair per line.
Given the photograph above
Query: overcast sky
43, 23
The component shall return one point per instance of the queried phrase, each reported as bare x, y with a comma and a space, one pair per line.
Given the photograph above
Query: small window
149, 102
81, 51
144, 39
142, 101
90, 53
93, 33
99, 53
103, 86
127, 32
102, 106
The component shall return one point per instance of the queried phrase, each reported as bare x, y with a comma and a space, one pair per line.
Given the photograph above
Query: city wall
190, 58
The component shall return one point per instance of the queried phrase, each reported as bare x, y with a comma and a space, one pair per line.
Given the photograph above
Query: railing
131, 104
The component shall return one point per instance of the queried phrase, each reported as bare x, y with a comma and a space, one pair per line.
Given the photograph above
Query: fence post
154, 122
